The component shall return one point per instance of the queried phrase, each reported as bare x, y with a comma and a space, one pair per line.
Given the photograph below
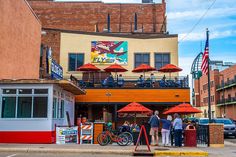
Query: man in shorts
154, 122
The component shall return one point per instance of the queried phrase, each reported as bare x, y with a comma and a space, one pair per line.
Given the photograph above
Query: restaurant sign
66, 135
56, 71
53, 69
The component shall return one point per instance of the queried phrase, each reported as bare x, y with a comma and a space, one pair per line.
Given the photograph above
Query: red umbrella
88, 67
144, 68
169, 68
115, 68
183, 109
135, 108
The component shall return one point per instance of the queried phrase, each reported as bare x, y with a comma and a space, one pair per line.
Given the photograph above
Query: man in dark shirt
154, 122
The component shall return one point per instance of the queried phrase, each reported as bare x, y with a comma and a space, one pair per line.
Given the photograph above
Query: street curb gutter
45, 150
171, 153
180, 153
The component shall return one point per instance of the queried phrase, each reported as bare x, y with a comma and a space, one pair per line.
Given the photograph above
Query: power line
200, 19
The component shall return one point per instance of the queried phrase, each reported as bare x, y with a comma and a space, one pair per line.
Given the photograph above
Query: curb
180, 153
45, 150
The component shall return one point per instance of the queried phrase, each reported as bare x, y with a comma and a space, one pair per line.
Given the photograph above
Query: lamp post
108, 94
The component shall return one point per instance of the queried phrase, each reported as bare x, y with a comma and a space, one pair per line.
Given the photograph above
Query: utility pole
209, 80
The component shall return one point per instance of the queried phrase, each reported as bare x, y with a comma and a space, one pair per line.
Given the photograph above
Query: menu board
65, 135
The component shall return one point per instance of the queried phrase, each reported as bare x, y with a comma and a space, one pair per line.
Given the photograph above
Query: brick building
201, 93
97, 17
227, 92
223, 93
20, 39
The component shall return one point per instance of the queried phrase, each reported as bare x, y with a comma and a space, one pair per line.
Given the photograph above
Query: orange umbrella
134, 108
115, 68
89, 68
183, 109
169, 68
144, 68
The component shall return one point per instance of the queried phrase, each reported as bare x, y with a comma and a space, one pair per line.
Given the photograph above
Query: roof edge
141, 35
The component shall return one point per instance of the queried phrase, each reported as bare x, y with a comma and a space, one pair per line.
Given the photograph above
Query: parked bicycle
110, 136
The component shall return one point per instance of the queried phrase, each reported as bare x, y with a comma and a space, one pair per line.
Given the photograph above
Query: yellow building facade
100, 103
136, 44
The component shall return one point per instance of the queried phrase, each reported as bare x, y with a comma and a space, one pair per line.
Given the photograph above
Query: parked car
193, 119
203, 121
229, 126
234, 121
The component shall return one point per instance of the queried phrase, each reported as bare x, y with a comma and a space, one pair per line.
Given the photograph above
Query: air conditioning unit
138, 30
106, 30
147, 1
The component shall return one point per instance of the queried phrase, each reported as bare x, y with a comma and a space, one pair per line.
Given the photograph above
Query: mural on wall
109, 52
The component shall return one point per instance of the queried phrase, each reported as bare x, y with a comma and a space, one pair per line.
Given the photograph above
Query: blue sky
182, 15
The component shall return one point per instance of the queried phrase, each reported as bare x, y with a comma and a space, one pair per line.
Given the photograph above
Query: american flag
205, 57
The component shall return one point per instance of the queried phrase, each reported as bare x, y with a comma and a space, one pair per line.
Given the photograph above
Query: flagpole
209, 81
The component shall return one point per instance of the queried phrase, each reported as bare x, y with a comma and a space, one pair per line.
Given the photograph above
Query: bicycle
109, 136
126, 130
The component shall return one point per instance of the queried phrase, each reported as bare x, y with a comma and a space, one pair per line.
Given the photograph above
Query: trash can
190, 136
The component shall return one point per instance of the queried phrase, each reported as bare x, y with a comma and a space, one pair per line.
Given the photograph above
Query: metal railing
227, 84
133, 82
202, 135
228, 100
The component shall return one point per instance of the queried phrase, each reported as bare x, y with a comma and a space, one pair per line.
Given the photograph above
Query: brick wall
226, 76
216, 135
86, 16
20, 38
204, 88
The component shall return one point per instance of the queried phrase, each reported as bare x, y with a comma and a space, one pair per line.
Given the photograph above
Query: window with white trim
58, 110
24, 103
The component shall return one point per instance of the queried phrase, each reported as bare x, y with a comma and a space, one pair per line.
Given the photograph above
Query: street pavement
53, 150
230, 139
11, 154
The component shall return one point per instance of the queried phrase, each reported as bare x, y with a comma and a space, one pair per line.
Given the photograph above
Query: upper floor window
75, 60
141, 58
161, 59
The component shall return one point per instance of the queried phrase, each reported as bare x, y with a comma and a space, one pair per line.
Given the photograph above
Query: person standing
153, 79
120, 81
154, 122
165, 131
178, 126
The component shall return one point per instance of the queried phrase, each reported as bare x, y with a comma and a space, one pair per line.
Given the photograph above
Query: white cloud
199, 36
190, 14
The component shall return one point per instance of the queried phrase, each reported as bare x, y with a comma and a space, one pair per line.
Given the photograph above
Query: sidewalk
97, 149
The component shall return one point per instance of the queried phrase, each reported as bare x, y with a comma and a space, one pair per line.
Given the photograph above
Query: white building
30, 109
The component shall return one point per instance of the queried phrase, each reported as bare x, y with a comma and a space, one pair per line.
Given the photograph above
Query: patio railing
132, 82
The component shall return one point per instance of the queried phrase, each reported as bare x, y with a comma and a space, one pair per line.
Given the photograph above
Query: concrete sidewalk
97, 149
